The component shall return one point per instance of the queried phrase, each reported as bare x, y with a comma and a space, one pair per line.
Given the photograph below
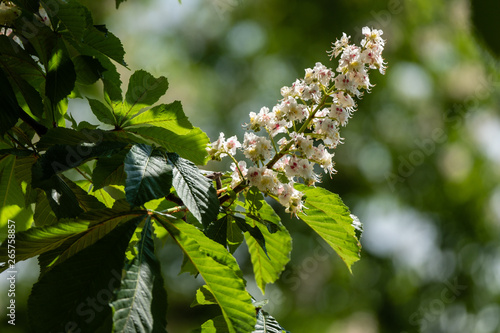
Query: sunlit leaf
219, 270
326, 214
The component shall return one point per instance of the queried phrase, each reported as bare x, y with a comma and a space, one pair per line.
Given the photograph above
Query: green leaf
11, 196
326, 214
203, 297
191, 146
72, 18
217, 230
24, 73
234, 235
133, 301
219, 270
61, 75
195, 190
102, 112
143, 90
60, 158
215, 325
43, 215
10, 108
84, 286
168, 116
57, 242
253, 231
267, 324
109, 170
149, 174
268, 266
99, 194
88, 69
86, 201
104, 43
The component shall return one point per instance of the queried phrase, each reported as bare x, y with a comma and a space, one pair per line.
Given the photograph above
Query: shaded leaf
109, 170
133, 301
191, 146
149, 174
10, 108
84, 286
203, 297
143, 90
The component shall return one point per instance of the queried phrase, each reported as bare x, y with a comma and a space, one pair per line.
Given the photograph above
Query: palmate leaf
149, 174
132, 306
195, 190
168, 116
143, 90
191, 146
84, 286
219, 270
327, 215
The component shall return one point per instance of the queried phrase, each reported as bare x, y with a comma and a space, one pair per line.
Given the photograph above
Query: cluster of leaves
90, 200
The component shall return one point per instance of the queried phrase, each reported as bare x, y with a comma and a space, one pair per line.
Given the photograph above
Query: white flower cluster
307, 119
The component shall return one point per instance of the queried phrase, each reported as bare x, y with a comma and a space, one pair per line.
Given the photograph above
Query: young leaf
191, 146
84, 286
195, 190
102, 112
219, 270
326, 214
133, 301
168, 116
143, 90
149, 174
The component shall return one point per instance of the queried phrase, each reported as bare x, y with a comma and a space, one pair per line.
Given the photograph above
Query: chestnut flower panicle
308, 120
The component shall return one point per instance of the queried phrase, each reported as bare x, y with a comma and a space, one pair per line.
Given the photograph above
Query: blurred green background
420, 165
